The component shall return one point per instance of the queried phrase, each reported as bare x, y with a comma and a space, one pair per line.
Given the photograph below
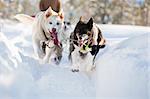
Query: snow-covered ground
122, 67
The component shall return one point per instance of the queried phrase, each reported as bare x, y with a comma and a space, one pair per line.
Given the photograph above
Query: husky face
53, 21
82, 29
53, 24
67, 29
67, 25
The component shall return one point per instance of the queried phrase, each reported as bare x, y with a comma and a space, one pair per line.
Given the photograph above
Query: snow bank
122, 31
123, 70
23, 77
118, 33
32, 80
9, 56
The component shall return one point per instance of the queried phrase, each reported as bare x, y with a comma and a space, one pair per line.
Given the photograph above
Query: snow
122, 67
124, 73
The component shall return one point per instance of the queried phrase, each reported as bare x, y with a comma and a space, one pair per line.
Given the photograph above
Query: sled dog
47, 26
85, 42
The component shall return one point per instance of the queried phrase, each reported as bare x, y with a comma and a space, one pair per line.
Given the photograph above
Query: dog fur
44, 23
95, 40
67, 29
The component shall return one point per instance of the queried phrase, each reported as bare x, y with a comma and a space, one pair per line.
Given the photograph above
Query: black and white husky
85, 42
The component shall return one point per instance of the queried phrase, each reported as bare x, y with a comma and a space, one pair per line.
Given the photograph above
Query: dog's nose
65, 27
53, 29
80, 38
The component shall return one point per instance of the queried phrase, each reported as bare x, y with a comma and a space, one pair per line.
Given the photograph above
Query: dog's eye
50, 22
58, 23
64, 22
68, 23
88, 33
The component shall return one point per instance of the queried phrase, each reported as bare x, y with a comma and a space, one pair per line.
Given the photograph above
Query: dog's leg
75, 65
59, 51
89, 63
36, 45
46, 58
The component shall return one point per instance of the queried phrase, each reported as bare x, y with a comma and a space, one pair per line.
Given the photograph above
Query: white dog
46, 26
65, 35
67, 29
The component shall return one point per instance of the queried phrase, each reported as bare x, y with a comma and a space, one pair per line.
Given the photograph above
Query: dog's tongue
54, 36
56, 42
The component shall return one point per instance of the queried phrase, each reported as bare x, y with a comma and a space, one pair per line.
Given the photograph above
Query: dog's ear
81, 19
90, 23
61, 14
49, 12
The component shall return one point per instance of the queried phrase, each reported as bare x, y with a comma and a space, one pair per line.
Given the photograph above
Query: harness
45, 35
87, 44
53, 36
49, 46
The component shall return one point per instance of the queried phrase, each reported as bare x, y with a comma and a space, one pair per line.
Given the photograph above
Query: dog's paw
75, 70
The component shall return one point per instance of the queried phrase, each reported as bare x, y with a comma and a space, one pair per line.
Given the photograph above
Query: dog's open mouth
84, 46
54, 36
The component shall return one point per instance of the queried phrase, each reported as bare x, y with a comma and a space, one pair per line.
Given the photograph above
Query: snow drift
122, 68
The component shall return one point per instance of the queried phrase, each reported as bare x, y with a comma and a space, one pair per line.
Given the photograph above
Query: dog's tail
26, 19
